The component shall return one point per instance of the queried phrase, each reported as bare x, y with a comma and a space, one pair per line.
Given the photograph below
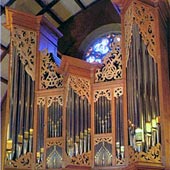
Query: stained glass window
101, 47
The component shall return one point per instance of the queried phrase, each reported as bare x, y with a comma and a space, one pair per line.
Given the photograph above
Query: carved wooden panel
153, 155
118, 91
52, 99
112, 65
143, 16
80, 85
56, 142
102, 139
41, 100
49, 76
83, 159
104, 92
120, 161
24, 161
25, 43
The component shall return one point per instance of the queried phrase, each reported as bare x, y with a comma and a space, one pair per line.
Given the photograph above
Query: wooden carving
25, 43
49, 76
41, 100
80, 85
112, 65
118, 91
120, 161
55, 142
143, 16
25, 161
103, 139
153, 155
84, 159
52, 99
104, 92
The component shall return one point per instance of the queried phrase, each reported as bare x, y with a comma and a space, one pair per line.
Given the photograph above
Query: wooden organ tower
71, 114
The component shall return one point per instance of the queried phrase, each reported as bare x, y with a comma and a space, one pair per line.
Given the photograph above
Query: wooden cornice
161, 4
70, 65
14, 17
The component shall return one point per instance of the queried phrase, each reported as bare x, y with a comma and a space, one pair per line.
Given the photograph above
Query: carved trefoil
112, 64
49, 76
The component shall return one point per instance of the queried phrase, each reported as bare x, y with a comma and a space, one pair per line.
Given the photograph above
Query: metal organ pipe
142, 95
21, 113
54, 120
78, 112
102, 115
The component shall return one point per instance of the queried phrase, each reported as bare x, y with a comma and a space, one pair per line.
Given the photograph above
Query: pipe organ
67, 114
143, 96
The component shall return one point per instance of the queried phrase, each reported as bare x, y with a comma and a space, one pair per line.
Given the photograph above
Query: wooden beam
7, 4
5, 52
80, 4
47, 8
3, 80
2, 47
55, 17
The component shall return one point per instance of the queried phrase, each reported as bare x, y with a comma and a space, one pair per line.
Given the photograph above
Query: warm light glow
154, 123
117, 144
9, 144
38, 154
122, 148
148, 127
138, 133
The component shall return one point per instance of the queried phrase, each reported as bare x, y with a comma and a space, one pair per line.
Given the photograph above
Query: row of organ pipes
54, 120
103, 125
142, 96
143, 115
102, 115
142, 106
21, 97
78, 125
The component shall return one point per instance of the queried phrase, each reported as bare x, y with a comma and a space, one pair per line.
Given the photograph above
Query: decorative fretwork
103, 154
58, 142
153, 155
81, 86
143, 16
84, 159
49, 76
104, 92
58, 99
102, 139
39, 166
112, 65
118, 91
54, 157
120, 161
41, 101
23, 162
25, 42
